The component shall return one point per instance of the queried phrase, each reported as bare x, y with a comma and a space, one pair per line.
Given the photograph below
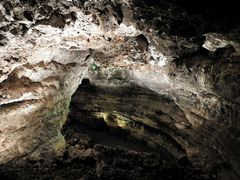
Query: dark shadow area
190, 18
220, 16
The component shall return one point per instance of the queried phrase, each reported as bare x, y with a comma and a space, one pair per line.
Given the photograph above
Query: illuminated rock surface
165, 73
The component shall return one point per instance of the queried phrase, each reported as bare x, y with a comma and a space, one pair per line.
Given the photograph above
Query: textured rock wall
47, 48
40, 68
197, 69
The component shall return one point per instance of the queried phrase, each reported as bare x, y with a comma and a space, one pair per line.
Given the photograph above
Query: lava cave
119, 89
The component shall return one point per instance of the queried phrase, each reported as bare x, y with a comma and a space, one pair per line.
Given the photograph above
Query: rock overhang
43, 62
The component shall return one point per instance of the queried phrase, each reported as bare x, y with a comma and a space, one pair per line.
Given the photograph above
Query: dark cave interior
129, 119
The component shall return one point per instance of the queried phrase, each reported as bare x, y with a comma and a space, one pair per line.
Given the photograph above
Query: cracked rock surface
154, 66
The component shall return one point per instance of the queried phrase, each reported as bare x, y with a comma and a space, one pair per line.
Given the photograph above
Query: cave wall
48, 47
40, 69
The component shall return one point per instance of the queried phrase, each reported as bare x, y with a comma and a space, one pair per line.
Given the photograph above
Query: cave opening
112, 116
122, 121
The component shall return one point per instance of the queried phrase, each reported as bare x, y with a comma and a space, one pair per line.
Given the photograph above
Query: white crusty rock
46, 48
39, 71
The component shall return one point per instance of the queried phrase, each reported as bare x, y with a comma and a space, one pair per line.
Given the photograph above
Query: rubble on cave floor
84, 158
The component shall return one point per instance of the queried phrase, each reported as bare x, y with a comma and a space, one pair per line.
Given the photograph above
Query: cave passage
158, 98
130, 113
115, 131
120, 116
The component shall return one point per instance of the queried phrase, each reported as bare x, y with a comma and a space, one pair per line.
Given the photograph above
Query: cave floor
94, 153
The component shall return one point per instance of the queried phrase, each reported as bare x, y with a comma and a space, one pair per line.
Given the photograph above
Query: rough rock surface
39, 71
85, 159
170, 53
